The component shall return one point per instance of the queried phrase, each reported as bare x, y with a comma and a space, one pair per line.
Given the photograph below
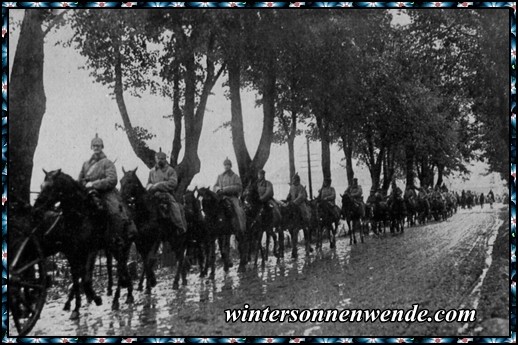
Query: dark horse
85, 230
221, 222
352, 210
200, 241
379, 216
261, 219
293, 221
327, 220
411, 207
397, 212
153, 227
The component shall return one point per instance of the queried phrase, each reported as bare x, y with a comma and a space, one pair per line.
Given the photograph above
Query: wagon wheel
27, 285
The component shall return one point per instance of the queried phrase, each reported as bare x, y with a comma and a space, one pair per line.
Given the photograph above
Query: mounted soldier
162, 183
396, 193
298, 197
229, 186
265, 190
99, 174
356, 193
328, 193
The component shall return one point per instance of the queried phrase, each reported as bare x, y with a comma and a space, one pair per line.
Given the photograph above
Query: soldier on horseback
298, 197
356, 193
229, 186
327, 193
162, 183
395, 194
99, 174
265, 190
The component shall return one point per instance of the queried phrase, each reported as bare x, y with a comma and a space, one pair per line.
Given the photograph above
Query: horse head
59, 188
131, 187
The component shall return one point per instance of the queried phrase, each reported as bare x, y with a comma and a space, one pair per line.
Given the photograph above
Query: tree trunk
440, 172
177, 117
27, 104
247, 167
291, 155
347, 146
238, 135
326, 153
409, 157
140, 148
388, 169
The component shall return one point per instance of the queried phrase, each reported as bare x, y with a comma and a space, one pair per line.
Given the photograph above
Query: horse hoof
184, 282
212, 276
152, 282
242, 268
148, 291
115, 306
230, 265
98, 300
109, 293
74, 315
175, 286
140, 288
67, 306
130, 299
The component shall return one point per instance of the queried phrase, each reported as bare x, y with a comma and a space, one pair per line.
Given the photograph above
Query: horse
438, 208
423, 209
379, 215
293, 221
397, 213
261, 219
411, 206
200, 240
147, 212
221, 222
85, 230
326, 220
351, 209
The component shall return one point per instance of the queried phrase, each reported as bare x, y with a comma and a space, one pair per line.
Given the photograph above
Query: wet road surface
437, 265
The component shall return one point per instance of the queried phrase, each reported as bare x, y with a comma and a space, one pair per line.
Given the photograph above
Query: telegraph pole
309, 171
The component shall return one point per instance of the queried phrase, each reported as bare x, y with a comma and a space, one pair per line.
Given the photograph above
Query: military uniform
356, 194
265, 190
101, 172
298, 196
328, 194
164, 181
230, 186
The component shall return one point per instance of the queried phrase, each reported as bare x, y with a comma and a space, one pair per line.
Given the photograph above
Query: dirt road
441, 265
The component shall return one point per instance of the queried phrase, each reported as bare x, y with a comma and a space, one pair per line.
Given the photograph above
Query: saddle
163, 203
97, 200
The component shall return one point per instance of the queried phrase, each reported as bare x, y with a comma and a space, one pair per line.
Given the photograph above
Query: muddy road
441, 265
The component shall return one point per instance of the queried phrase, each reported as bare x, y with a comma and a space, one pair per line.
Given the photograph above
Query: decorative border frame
393, 5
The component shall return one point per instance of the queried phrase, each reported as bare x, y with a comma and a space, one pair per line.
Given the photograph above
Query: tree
184, 58
26, 113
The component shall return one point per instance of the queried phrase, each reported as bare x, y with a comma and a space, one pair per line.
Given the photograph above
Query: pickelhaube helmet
261, 171
160, 154
296, 177
227, 162
97, 141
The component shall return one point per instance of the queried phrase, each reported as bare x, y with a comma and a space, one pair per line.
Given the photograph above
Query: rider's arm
235, 187
332, 195
110, 179
268, 194
301, 197
168, 185
82, 175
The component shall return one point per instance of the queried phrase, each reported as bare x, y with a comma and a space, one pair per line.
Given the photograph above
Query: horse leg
109, 268
212, 258
76, 291
294, 241
351, 235
87, 280
281, 243
115, 302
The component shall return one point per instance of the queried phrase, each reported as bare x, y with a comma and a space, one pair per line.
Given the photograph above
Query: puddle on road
154, 314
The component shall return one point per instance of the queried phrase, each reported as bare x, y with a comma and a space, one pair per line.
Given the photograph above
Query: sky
77, 108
